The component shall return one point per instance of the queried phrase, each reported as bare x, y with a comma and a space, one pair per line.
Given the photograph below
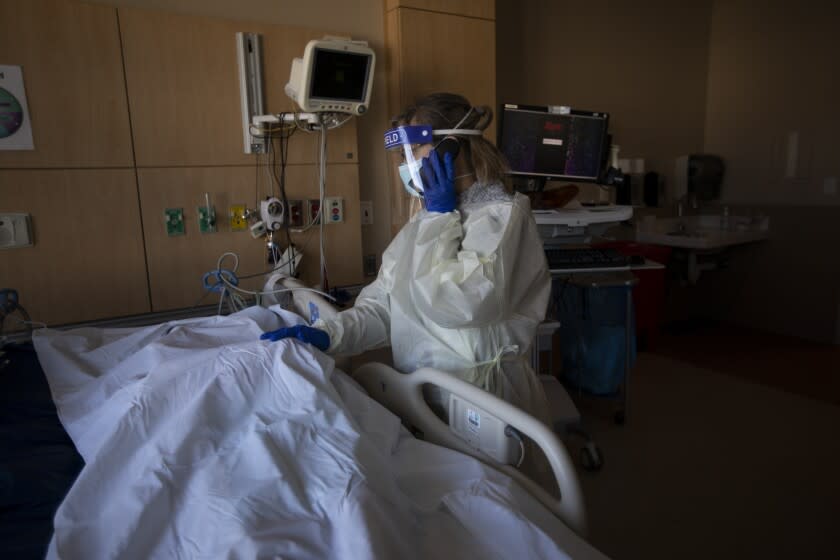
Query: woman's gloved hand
316, 337
439, 179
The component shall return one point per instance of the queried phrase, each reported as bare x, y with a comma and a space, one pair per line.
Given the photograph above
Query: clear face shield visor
406, 141
409, 141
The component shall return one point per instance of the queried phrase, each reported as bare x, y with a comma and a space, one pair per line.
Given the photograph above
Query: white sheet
200, 441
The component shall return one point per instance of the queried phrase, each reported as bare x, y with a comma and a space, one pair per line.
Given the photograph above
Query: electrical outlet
312, 207
15, 231
206, 219
366, 207
334, 210
237, 218
174, 220
296, 213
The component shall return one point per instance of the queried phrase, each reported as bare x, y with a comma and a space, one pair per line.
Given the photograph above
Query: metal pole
627, 342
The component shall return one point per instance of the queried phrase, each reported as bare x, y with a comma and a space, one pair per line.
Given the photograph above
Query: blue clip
218, 286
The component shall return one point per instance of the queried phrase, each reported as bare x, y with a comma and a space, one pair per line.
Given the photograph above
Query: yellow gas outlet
237, 218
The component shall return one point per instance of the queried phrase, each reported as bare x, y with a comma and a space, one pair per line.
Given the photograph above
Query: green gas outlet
237, 218
174, 218
206, 219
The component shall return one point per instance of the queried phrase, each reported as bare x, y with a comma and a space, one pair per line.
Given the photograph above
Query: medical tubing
322, 182
257, 293
221, 300
267, 272
317, 219
295, 252
270, 292
281, 176
27, 320
257, 181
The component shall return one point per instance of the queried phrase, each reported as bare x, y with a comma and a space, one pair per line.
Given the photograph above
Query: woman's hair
445, 110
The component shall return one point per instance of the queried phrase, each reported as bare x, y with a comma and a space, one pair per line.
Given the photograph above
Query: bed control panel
482, 431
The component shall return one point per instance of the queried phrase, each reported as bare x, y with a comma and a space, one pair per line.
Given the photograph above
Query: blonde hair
445, 110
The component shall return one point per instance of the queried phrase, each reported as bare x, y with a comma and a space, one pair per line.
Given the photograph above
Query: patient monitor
335, 75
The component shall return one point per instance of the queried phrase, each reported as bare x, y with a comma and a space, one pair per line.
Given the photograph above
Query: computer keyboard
585, 258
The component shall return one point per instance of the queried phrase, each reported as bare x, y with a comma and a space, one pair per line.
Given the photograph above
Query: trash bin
649, 294
592, 336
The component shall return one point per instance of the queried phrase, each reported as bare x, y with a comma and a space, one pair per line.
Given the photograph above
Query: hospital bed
201, 441
402, 394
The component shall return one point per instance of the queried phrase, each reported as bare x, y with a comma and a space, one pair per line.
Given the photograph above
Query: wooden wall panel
87, 262
89, 259
184, 91
472, 8
430, 52
440, 52
72, 71
176, 264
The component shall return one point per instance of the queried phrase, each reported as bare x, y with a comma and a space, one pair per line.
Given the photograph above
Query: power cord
226, 283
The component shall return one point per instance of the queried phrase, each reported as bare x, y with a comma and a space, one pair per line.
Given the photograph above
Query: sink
702, 231
683, 233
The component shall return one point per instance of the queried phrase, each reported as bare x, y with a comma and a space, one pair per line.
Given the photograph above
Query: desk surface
583, 216
647, 265
568, 271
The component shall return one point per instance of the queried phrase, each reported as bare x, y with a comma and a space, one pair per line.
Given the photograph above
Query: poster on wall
15, 126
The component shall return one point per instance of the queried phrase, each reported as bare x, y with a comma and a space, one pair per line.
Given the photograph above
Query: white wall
725, 77
643, 62
774, 70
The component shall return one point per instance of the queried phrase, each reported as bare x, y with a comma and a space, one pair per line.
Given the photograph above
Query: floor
710, 465
798, 366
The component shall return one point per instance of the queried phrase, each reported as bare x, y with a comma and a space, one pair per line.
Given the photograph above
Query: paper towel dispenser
700, 175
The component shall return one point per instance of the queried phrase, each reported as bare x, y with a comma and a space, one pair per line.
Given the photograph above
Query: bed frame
402, 394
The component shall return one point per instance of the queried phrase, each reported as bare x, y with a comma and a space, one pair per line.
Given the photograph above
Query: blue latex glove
439, 182
316, 337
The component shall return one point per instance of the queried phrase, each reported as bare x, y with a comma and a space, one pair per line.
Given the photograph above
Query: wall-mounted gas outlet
296, 213
206, 219
15, 231
366, 207
236, 215
334, 210
174, 220
312, 207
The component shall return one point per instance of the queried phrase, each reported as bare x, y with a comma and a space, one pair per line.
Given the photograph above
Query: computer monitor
554, 142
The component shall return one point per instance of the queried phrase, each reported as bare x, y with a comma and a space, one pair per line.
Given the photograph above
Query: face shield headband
407, 139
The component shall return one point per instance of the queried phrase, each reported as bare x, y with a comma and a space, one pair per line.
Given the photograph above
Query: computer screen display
554, 142
339, 75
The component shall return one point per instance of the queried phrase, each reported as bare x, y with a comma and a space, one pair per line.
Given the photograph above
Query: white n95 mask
410, 175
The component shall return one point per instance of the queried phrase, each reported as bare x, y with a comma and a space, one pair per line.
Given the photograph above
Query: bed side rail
402, 394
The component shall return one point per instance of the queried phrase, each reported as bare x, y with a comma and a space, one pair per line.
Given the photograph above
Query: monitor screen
339, 75
554, 142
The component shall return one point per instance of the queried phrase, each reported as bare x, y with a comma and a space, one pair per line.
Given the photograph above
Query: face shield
409, 140
406, 140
